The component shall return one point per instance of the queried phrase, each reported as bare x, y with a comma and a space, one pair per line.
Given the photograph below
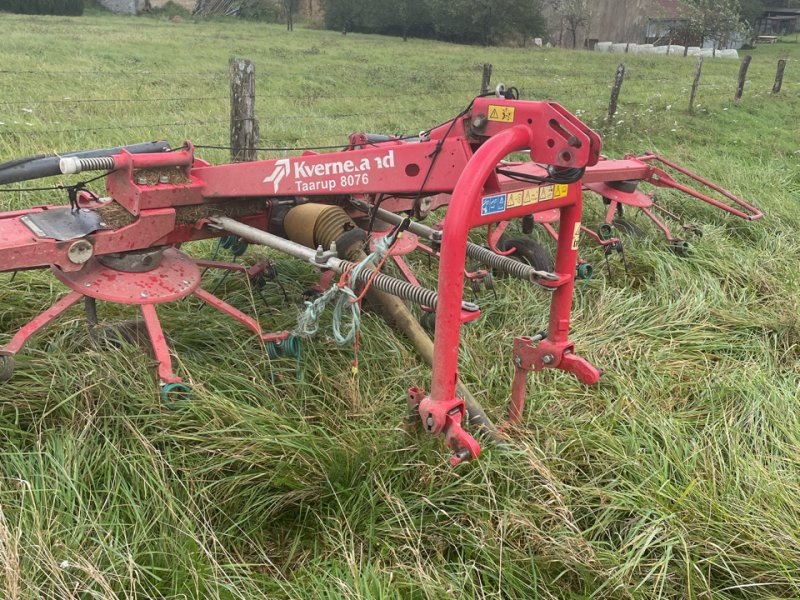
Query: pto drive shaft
329, 260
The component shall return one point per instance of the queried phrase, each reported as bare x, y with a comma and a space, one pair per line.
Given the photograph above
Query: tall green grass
677, 477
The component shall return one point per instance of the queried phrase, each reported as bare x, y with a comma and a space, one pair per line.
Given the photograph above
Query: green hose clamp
290, 347
585, 271
174, 393
236, 245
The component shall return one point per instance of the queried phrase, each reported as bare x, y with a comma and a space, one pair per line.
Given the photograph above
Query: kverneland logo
310, 175
281, 169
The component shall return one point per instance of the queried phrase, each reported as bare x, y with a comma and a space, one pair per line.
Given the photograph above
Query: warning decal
491, 205
576, 236
514, 199
498, 203
502, 114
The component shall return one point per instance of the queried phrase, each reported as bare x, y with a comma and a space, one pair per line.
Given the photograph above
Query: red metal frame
458, 157
442, 412
454, 164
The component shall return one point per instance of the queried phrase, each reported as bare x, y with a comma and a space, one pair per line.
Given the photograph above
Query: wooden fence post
618, 78
742, 77
697, 70
779, 76
244, 126
487, 77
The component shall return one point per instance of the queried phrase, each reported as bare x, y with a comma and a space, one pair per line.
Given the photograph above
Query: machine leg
40, 322
244, 319
659, 223
159, 343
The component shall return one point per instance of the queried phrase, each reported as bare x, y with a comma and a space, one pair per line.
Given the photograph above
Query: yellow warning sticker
530, 196
560, 190
576, 236
503, 114
514, 199
546, 193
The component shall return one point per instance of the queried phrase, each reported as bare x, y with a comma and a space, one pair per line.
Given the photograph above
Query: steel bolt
163, 179
144, 294
141, 180
479, 122
548, 358
518, 361
429, 422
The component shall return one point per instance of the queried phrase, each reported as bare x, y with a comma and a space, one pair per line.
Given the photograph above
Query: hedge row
43, 7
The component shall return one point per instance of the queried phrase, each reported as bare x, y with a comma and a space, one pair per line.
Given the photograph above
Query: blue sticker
491, 205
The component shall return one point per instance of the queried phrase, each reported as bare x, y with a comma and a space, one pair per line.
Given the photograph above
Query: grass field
677, 477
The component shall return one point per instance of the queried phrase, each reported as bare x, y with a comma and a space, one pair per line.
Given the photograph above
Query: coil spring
101, 163
505, 264
401, 289
290, 347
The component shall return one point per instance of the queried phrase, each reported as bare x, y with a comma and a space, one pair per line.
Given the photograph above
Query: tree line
514, 22
43, 7
468, 21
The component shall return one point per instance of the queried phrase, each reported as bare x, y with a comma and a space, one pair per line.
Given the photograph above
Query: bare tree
291, 9
574, 15
569, 16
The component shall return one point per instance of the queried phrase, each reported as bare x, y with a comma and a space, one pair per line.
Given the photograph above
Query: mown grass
676, 477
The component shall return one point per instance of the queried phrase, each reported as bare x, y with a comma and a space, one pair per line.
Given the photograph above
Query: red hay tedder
127, 247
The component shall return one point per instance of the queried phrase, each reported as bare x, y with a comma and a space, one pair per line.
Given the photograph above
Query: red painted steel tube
757, 214
243, 318
40, 322
566, 259
617, 170
462, 214
159, 343
516, 406
659, 223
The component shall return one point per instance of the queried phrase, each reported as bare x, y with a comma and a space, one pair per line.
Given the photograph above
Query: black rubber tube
36, 167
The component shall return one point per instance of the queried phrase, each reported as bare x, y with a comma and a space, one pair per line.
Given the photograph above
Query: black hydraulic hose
35, 167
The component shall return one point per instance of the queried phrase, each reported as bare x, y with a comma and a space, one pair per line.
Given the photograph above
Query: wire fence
155, 104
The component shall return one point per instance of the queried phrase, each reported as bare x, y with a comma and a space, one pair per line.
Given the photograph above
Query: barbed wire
554, 84
109, 73
110, 100
34, 132
468, 93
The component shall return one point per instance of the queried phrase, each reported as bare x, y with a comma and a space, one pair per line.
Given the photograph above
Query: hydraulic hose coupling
70, 165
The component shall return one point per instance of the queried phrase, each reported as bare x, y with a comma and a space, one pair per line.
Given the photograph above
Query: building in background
134, 7
612, 21
658, 22
125, 7
778, 21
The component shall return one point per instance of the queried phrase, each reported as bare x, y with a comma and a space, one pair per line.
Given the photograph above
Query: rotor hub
174, 276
